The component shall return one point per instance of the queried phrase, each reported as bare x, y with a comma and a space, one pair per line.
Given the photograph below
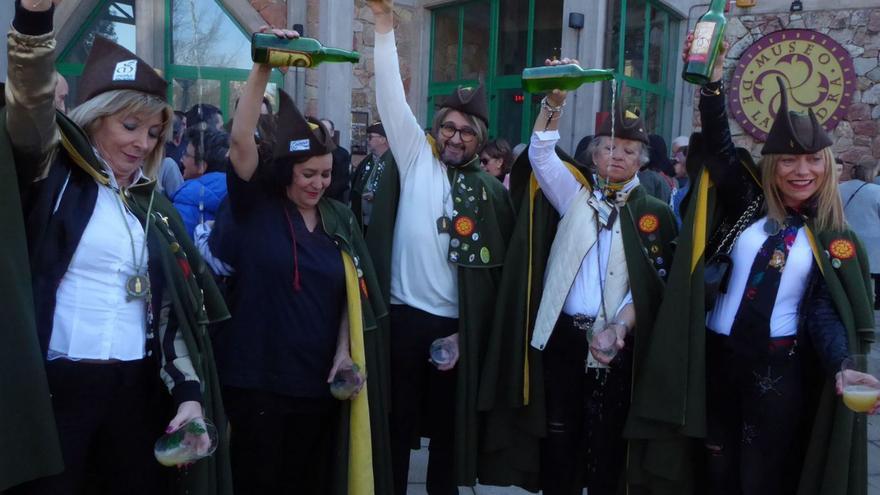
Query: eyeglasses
448, 130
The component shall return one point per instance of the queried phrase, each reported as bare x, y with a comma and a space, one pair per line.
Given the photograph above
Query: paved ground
419, 459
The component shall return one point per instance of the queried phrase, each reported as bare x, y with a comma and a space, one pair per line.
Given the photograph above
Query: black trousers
586, 412
417, 388
755, 437
281, 445
108, 418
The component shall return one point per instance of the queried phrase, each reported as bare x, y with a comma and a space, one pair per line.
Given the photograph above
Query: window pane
547, 39
511, 106
475, 43
207, 37
114, 21
612, 52
653, 113
513, 36
237, 87
634, 44
657, 38
188, 92
445, 45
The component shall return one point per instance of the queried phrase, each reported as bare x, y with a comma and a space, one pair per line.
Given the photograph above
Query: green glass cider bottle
708, 36
266, 48
568, 77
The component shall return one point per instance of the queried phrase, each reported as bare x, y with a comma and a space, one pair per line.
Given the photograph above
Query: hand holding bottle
381, 6
557, 96
718, 68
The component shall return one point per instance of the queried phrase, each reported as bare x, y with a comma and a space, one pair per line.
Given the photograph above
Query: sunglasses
448, 130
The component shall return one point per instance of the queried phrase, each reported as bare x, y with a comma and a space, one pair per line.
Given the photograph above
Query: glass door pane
114, 20
204, 36
513, 36
509, 121
475, 41
188, 92
445, 45
658, 45
548, 31
634, 47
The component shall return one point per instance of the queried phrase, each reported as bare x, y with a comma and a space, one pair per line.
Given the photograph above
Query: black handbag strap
744, 221
853, 195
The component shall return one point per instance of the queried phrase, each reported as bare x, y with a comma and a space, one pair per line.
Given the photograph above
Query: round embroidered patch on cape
464, 226
842, 249
649, 223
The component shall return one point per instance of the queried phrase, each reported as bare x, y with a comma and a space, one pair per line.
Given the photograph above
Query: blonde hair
127, 101
828, 208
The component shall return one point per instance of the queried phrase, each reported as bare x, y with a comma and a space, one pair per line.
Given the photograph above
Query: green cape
668, 411
195, 301
385, 200
26, 418
477, 289
358, 469
512, 382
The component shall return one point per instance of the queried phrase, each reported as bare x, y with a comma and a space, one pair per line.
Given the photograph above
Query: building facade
202, 47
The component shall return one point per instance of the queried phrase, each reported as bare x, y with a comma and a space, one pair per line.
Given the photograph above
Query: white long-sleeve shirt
798, 263
560, 187
421, 276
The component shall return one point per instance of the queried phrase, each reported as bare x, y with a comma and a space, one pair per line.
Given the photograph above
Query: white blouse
93, 319
784, 319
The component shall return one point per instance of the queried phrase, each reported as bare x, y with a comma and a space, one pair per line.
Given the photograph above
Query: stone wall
363, 91
857, 137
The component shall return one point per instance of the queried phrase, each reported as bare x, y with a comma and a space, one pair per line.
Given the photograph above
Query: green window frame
72, 68
225, 76
664, 89
496, 84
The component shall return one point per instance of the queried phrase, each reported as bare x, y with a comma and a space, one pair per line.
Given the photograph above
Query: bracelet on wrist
712, 89
553, 109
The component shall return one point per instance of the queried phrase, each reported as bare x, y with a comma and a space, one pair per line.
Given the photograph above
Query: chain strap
744, 220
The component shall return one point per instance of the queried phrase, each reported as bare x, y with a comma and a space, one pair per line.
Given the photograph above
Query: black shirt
279, 340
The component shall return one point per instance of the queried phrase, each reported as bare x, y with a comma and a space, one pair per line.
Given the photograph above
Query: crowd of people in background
614, 318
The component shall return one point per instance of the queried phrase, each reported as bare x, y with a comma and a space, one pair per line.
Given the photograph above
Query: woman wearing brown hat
794, 304
121, 295
305, 307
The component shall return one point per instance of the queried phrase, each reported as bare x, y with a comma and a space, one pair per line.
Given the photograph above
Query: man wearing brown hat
450, 229
584, 273
370, 177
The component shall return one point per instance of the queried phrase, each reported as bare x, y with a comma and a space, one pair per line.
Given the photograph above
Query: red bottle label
702, 43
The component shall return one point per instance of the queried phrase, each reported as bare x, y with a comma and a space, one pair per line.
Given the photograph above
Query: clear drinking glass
605, 341
443, 351
346, 382
195, 440
861, 388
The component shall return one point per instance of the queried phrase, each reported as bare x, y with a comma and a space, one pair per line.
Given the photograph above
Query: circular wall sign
817, 71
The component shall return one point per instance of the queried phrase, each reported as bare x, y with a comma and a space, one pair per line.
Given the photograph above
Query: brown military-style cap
376, 128
627, 125
297, 136
469, 100
794, 133
110, 67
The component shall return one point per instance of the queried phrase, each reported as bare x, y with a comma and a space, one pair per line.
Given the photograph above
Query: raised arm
30, 88
405, 136
557, 182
